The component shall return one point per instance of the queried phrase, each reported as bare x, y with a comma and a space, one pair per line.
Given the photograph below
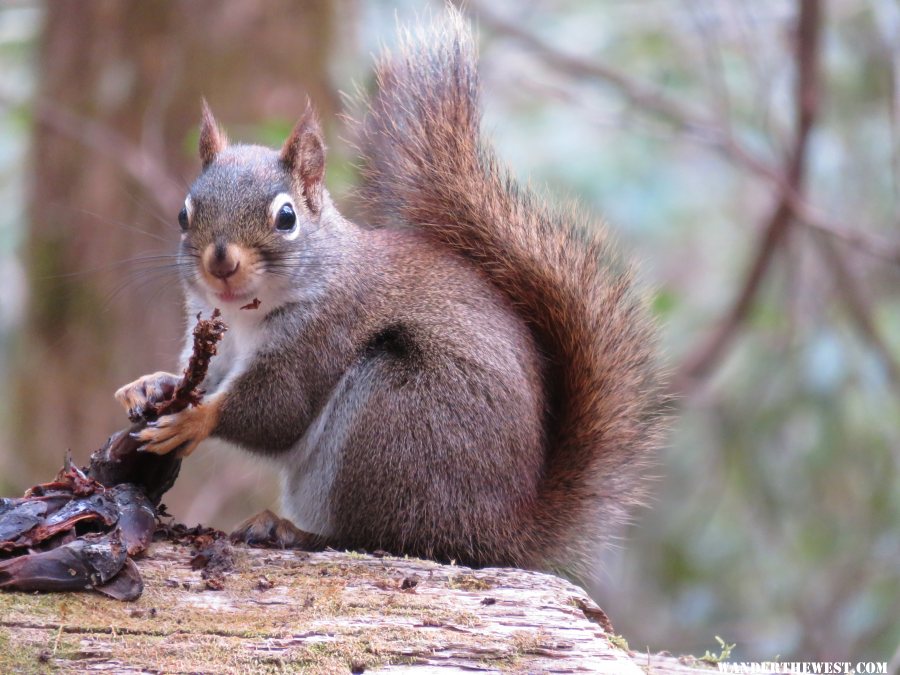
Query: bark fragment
79, 531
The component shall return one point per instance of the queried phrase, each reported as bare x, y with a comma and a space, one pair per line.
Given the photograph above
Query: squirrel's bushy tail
426, 165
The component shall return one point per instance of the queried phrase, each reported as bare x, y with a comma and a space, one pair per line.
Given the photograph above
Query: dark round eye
183, 219
285, 219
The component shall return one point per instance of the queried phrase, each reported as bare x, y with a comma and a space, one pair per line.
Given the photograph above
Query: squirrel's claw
152, 388
182, 431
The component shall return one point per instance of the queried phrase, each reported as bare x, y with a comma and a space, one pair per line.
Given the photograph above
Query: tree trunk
321, 613
115, 115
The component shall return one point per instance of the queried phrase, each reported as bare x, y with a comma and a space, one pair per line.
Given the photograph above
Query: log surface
287, 611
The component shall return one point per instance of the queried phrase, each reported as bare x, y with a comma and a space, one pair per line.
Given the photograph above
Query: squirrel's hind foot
266, 530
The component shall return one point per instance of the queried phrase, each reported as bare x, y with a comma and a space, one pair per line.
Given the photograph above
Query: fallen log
323, 612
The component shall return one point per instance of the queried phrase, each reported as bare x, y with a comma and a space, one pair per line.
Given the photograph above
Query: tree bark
321, 613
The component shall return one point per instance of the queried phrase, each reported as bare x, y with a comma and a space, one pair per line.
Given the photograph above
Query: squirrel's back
427, 166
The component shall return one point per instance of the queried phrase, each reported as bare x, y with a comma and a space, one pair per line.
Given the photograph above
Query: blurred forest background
747, 153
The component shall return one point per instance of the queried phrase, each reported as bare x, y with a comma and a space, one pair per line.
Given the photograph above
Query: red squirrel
469, 376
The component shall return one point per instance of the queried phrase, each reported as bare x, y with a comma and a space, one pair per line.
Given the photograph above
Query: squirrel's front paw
153, 388
181, 431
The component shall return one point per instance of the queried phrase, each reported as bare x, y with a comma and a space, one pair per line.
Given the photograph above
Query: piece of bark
84, 563
78, 531
119, 460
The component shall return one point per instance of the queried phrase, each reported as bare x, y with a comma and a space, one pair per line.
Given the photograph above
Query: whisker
139, 283
106, 219
149, 209
141, 260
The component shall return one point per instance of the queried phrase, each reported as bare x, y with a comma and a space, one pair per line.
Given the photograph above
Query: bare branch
654, 101
148, 170
790, 206
700, 362
646, 97
701, 15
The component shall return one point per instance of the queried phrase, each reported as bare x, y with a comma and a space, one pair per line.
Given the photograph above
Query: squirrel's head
250, 212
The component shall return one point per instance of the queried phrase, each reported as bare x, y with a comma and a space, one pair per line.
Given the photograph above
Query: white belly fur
308, 469
308, 474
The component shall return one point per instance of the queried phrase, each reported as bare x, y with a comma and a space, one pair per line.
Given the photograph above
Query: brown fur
473, 381
429, 167
303, 154
212, 139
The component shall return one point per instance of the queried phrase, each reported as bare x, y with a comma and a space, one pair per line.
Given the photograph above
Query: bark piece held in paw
266, 530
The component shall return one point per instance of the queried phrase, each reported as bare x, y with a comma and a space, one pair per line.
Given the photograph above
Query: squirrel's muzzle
222, 261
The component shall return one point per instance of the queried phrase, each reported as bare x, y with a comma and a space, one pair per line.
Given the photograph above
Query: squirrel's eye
285, 219
183, 218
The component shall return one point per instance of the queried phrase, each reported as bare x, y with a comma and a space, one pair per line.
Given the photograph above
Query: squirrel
469, 376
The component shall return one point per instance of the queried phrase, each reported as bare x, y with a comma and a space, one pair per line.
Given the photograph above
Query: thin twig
791, 205
860, 310
701, 16
887, 21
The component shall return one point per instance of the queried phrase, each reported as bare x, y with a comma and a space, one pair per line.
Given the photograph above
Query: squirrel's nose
222, 261
224, 269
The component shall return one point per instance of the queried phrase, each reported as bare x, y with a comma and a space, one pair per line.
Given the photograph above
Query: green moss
23, 657
338, 656
618, 642
723, 655
287, 628
468, 582
40, 606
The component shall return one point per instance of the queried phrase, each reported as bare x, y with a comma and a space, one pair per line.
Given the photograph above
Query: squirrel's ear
212, 138
303, 154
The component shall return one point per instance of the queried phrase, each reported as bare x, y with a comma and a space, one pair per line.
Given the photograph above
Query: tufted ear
303, 154
212, 138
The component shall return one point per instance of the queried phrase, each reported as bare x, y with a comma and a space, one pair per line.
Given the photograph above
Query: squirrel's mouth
230, 290
232, 294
